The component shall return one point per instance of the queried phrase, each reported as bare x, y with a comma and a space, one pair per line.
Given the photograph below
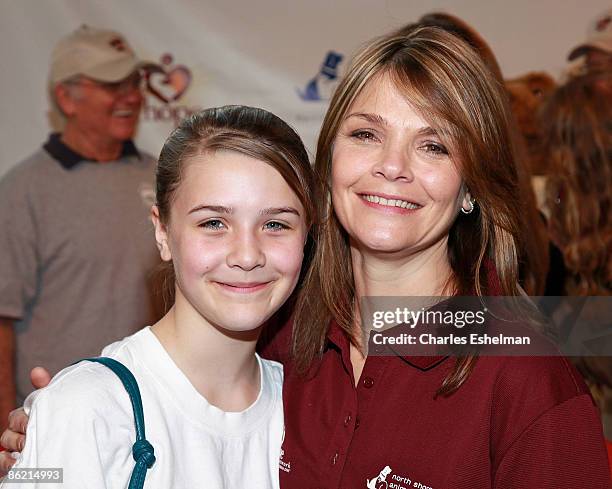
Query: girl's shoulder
83, 421
272, 373
89, 387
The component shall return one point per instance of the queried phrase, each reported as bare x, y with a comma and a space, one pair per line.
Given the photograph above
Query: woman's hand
13, 438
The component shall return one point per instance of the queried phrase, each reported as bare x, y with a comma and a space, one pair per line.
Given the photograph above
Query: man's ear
64, 97
161, 235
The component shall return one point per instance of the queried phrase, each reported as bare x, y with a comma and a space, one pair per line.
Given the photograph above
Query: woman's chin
393, 247
389, 247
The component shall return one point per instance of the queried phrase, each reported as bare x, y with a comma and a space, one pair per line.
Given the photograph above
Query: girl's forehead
225, 166
233, 177
222, 160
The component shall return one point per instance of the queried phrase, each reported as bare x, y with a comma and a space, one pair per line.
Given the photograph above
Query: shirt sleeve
563, 448
18, 248
80, 429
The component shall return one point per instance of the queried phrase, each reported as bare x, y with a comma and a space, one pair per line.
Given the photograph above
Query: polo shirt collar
336, 336
69, 158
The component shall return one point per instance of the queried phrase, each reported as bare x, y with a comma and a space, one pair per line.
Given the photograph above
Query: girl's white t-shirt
83, 422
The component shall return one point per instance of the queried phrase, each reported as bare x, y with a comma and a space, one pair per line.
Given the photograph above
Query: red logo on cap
118, 44
603, 23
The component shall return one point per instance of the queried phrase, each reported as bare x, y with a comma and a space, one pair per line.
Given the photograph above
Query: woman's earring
471, 209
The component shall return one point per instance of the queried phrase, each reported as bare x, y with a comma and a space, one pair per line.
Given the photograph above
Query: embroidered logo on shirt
379, 482
395, 481
282, 463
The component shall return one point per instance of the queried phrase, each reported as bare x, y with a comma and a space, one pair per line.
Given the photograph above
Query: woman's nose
394, 163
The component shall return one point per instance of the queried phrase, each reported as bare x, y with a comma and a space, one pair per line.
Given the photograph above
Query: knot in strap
143, 451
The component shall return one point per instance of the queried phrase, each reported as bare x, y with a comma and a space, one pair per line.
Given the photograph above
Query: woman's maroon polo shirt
518, 422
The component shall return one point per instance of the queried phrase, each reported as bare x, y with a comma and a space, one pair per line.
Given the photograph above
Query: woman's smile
389, 203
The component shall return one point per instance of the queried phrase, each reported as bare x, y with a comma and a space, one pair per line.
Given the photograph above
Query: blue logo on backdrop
324, 82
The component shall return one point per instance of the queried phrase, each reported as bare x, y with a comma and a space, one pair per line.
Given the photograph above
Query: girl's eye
213, 224
364, 135
275, 226
434, 148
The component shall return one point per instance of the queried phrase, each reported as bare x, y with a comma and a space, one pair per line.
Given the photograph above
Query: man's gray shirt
77, 251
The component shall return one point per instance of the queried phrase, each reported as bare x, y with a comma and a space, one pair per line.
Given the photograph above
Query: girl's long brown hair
449, 85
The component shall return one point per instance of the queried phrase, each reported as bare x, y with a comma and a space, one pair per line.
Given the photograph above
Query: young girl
233, 213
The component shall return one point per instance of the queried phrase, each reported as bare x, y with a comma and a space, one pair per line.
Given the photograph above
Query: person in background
76, 247
595, 54
577, 122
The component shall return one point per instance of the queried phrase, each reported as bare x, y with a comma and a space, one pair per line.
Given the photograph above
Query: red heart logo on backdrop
169, 86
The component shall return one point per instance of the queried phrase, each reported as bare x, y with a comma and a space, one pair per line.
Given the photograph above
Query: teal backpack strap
142, 450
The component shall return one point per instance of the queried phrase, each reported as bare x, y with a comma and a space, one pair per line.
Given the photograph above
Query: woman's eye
213, 224
275, 226
364, 135
435, 149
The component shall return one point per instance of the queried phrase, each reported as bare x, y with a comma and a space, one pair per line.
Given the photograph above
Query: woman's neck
426, 273
220, 364
423, 273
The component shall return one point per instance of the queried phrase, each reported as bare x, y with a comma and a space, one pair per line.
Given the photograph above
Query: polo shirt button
368, 382
334, 458
347, 420
357, 423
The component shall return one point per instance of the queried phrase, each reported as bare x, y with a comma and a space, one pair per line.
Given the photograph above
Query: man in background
76, 243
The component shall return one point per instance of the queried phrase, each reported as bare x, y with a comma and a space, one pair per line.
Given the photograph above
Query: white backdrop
256, 52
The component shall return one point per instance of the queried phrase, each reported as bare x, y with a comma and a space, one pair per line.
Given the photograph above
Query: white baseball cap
100, 54
599, 37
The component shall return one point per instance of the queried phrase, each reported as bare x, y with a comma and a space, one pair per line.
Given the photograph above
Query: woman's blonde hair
447, 82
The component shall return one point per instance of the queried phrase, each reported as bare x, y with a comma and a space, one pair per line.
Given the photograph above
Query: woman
422, 200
